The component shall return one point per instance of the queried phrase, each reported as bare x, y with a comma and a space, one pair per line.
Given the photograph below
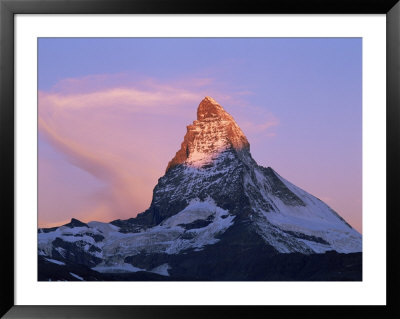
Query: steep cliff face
214, 202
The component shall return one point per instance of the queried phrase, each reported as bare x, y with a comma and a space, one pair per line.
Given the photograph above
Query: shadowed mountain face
213, 207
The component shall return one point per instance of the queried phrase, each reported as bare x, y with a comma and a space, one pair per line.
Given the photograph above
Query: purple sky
113, 112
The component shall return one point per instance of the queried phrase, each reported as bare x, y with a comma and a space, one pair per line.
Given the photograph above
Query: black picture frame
8, 8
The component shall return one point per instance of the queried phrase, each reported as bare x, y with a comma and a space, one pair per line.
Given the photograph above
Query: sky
112, 112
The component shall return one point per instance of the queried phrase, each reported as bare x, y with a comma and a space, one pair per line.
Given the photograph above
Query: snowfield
169, 237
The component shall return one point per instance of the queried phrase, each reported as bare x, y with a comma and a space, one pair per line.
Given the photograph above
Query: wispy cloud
123, 132
261, 128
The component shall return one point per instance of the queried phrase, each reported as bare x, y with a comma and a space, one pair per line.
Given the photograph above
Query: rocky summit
213, 132
215, 215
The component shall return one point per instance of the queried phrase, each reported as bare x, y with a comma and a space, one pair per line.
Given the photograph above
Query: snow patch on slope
57, 262
161, 270
76, 276
116, 268
194, 211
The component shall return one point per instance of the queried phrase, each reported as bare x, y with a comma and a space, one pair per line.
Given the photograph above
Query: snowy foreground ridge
169, 237
213, 194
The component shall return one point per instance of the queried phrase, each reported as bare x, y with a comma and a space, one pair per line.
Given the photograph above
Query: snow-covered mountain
214, 204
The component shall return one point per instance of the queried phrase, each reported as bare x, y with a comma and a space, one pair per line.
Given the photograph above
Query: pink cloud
121, 193
259, 128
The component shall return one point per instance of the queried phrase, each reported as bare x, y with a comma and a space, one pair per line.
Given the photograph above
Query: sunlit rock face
213, 132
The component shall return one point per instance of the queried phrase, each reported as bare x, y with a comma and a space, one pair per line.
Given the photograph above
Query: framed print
163, 158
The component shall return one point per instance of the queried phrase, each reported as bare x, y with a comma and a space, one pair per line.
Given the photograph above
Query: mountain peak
213, 132
75, 223
209, 108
